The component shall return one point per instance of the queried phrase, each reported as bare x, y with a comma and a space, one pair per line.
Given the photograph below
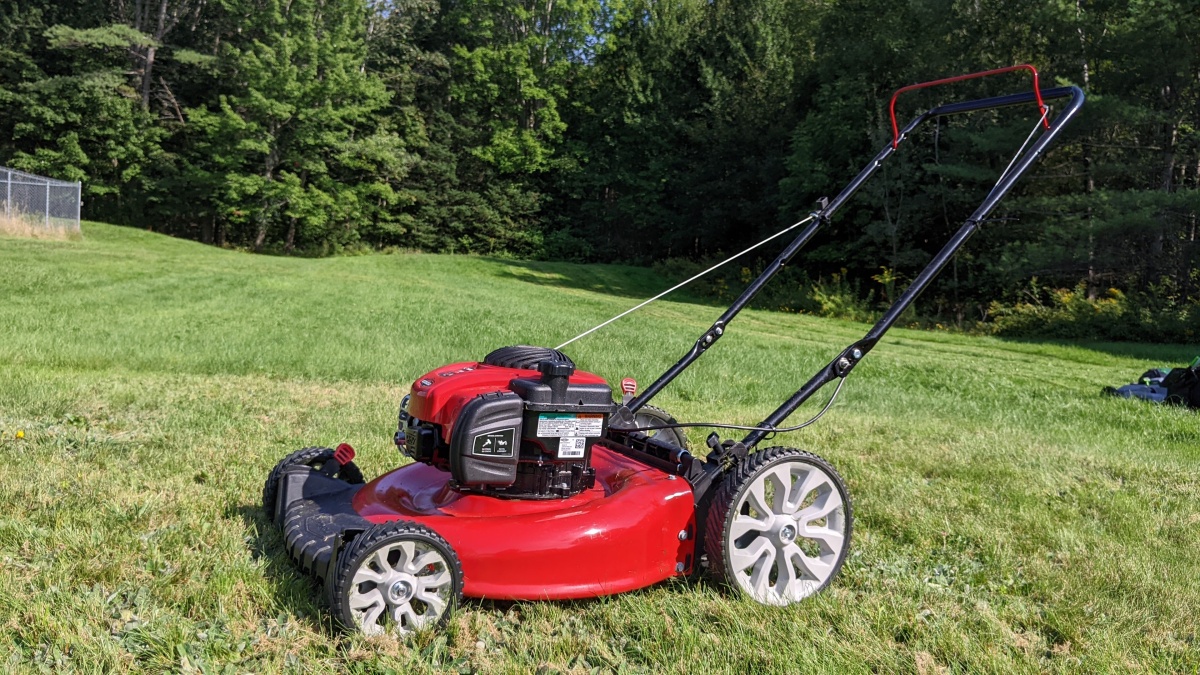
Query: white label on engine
556, 425
571, 447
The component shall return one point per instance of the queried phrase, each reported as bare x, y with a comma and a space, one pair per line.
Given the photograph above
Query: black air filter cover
487, 433
525, 357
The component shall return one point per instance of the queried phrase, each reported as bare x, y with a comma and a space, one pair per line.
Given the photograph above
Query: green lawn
1008, 518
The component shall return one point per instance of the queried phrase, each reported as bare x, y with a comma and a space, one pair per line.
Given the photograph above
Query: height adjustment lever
343, 455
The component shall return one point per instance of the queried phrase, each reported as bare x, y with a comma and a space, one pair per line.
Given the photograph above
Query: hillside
1007, 516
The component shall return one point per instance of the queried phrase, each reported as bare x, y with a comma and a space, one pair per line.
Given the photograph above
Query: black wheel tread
349, 473
348, 561
666, 418
308, 545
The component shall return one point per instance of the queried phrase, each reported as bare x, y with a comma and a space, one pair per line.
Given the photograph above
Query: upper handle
959, 78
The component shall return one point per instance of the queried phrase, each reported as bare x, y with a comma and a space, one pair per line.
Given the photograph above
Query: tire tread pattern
666, 418
349, 473
350, 559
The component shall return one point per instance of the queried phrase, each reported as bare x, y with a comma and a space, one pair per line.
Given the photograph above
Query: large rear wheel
779, 526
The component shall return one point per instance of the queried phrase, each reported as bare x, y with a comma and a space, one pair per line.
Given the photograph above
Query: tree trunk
146, 74
290, 244
260, 236
1090, 179
1154, 270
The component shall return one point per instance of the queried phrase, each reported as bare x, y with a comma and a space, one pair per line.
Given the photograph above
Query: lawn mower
530, 481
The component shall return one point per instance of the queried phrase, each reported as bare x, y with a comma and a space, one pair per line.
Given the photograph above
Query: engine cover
521, 432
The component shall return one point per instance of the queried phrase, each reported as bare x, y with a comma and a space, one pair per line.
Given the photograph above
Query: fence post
8, 196
47, 203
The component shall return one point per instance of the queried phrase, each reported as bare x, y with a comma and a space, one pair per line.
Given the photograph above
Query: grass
1008, 518
33, 227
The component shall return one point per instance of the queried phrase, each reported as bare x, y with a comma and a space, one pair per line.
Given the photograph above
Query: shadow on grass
615, 280
696, 582
641, 283
1169, 354
295, 594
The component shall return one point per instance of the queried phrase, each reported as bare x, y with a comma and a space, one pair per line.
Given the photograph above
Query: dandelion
20, 433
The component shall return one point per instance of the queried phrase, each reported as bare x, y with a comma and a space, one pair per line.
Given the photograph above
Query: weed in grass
1008, 518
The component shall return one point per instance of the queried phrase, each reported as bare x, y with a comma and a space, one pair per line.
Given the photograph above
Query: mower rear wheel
315, 458
649, 416
398, 578
779, 526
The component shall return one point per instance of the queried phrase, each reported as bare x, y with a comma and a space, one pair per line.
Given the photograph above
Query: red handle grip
959, 78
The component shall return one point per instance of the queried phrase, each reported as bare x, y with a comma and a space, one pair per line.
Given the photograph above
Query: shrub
1116, 316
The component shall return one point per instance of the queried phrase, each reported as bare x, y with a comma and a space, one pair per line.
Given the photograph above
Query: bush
1116, 316
1164, 315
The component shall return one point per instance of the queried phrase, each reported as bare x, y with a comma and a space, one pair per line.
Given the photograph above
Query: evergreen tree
623, 130
70, 112
293, 148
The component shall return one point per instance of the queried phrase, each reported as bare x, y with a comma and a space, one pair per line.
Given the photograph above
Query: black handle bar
849, 357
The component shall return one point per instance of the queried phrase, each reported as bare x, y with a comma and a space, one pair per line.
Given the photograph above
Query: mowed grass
1008, 517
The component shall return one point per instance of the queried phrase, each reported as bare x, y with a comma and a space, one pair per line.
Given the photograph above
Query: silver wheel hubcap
401, 591
788, 533
401, 587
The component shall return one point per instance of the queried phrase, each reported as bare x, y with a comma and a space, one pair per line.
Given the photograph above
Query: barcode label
571, 447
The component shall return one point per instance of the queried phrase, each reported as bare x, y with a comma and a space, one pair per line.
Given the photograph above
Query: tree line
636, 131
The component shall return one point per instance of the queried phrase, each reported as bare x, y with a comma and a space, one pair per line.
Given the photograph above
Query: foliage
622, 130
297, 149
1114, 316
791, 290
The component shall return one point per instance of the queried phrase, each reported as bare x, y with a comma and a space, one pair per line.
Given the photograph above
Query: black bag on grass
1180, 386
1183, 385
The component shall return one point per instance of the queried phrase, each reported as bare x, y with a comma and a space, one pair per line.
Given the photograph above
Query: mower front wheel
314, 457
779, 526
398, 578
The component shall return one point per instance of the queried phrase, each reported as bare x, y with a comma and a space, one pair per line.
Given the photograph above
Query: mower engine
521, 424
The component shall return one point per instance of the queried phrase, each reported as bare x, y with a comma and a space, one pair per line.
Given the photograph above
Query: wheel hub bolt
788, 533
401, 590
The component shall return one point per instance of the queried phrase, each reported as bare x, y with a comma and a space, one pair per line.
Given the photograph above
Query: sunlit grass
1008, 518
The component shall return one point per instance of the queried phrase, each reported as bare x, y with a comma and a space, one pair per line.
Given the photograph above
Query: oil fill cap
556, 369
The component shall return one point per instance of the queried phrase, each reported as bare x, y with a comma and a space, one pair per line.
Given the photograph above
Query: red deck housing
635, 528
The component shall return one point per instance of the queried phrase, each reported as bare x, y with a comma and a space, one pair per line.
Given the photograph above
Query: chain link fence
36, 203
